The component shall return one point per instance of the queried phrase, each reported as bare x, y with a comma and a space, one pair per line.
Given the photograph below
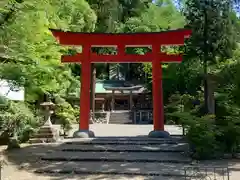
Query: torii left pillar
84, 131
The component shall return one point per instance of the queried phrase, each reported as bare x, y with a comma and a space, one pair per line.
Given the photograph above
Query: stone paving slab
117, 157
110, 168
181, 147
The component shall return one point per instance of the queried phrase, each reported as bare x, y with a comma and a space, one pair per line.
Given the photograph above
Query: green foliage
150, 21
211, 136
202, 134
155, 18
3, 101
66, 114
16, 119
213, 39
212, 30
34, 55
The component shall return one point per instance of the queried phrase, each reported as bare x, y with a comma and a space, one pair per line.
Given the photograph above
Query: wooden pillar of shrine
103, 106
93, 92
130, 100
113, 101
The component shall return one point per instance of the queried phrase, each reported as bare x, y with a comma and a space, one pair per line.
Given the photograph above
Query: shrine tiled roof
106, 86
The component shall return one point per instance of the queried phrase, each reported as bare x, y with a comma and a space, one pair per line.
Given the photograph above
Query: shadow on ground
29, 158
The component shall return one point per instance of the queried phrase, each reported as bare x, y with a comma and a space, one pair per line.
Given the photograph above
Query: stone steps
46, 134
175, 138
113, 168
123, 141
136, 156
181, 147
117, 157
120, 118
126, 138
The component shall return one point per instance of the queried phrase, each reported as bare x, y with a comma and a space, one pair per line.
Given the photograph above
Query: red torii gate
122, 40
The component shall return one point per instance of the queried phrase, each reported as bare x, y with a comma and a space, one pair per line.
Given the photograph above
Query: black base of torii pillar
83, 134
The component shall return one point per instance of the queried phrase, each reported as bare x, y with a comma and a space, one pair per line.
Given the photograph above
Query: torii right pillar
157, 94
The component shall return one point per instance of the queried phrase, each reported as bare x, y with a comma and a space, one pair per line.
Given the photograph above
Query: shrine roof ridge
127, 33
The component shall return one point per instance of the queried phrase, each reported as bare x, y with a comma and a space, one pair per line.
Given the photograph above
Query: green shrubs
210, 136
65, 114
202, 135
16, 120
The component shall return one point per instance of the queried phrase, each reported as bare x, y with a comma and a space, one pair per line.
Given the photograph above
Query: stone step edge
43, 140
173, 138
144, 137
113, 160
123, 150
72, 171
119, 143
119, 139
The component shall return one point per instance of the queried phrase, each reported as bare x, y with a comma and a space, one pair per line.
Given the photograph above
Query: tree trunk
205, 60
108, 70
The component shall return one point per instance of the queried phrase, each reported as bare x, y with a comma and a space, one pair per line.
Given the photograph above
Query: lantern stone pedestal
47, 133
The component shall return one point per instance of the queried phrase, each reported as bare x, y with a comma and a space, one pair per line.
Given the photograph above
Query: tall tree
112, 14
34, 53
212, 37
158, 17
10, 8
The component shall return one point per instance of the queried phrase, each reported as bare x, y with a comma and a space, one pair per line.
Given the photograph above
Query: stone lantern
47, 133
48, 111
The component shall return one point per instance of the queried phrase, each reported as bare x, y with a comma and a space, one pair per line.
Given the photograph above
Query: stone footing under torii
83, 134
159, 134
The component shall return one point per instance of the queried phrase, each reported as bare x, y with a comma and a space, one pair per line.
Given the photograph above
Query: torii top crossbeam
122, 40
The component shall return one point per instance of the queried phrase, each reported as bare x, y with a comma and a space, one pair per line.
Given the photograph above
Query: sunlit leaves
34, 53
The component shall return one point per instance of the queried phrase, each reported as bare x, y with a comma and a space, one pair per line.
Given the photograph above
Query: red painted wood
101, 39
85, 91
125, 58
157, 93
156, 40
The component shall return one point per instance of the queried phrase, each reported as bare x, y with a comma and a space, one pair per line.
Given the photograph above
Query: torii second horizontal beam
134, 58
